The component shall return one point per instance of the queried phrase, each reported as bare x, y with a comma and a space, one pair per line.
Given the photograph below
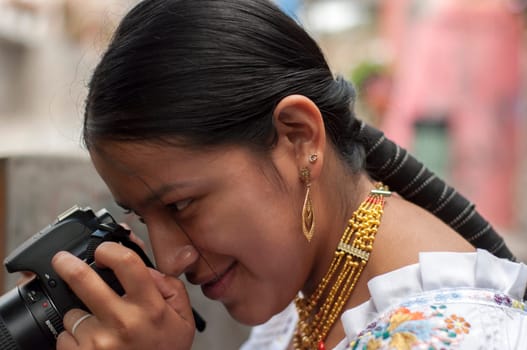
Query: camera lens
28, 319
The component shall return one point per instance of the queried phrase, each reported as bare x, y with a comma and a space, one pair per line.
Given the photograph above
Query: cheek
266, 240
247, 223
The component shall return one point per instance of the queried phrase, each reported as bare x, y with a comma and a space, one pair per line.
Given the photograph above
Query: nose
180, 261
173, 251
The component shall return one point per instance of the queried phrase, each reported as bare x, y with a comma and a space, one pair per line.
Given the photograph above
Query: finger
133, 237
76, 320
129, 269
87, 285
65, 341
25, 276
137, 240
175, 294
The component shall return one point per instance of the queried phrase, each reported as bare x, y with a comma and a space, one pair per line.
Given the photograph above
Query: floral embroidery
502, 299
518, 305
403, 329
423, 322
457, 324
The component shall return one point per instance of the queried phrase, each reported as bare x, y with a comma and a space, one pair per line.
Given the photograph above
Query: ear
301, 132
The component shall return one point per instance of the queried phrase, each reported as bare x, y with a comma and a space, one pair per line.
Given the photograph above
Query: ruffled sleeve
446, 301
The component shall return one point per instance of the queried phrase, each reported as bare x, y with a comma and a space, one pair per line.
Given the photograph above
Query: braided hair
404, 174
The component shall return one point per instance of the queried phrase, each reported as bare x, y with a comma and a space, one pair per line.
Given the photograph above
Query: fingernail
105, 243
62, 259
61, 255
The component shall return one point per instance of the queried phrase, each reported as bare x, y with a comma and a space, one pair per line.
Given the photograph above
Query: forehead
131, 154
130, 168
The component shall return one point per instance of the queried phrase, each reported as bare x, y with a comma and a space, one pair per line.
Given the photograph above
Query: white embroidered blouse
446, 301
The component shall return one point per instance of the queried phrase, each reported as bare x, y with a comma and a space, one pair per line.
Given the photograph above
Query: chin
253, 315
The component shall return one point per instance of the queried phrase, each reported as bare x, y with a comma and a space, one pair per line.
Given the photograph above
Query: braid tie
398, 169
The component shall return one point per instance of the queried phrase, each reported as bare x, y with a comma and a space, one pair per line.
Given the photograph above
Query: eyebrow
157, 194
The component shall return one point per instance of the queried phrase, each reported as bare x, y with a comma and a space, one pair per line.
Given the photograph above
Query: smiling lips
215, 288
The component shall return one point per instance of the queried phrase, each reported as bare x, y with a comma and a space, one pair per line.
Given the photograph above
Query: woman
221, 126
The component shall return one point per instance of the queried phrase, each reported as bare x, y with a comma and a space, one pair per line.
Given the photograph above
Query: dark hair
211, 72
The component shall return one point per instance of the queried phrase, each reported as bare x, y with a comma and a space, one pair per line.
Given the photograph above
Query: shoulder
405, 232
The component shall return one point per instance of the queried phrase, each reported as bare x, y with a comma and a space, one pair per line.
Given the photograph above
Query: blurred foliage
366, 70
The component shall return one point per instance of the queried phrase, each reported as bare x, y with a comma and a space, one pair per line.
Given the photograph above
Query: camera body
31, 314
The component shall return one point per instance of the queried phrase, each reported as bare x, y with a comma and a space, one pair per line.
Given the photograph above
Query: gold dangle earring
308, 215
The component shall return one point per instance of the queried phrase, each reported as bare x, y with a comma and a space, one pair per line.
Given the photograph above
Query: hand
155, 312
133, 237
25, 276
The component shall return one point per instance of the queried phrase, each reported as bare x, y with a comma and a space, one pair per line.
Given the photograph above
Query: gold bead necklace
315, 318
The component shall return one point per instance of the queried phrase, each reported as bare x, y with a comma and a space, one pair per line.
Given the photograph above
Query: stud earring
308, 216
313, 158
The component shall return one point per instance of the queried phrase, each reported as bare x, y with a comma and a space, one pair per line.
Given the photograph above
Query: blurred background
446, 79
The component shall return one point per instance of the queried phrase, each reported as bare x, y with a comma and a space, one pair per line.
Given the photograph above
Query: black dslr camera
31, 314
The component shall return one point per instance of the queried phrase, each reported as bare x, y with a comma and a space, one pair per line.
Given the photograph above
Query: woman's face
230, 205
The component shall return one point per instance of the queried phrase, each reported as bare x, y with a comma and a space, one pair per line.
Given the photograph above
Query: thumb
175, 294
